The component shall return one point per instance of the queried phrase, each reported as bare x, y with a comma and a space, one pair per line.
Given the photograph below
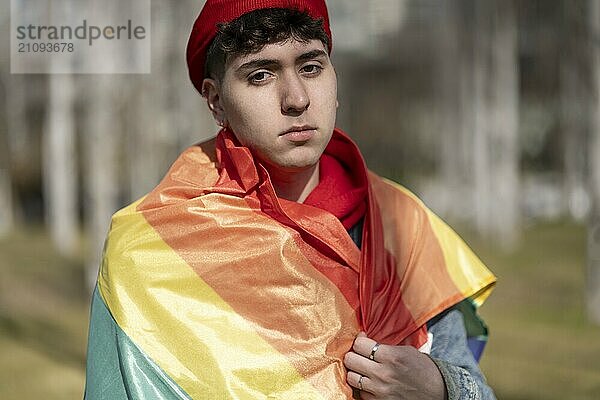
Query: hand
397, 372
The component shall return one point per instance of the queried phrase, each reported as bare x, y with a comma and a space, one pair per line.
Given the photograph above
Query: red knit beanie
220, 11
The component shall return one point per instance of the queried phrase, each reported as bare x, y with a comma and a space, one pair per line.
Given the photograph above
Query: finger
364, 346
357, 363
355, 381
367, 396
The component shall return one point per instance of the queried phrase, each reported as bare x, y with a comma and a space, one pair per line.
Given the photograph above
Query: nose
295, 99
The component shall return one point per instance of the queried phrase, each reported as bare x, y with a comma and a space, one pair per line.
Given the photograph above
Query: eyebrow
317, 53
260, 63
267, 62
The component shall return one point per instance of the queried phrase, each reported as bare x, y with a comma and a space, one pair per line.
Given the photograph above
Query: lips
299, 133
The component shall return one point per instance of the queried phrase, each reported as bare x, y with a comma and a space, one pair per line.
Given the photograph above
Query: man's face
281, 103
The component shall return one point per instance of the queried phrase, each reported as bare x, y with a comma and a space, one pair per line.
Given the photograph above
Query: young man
269, 263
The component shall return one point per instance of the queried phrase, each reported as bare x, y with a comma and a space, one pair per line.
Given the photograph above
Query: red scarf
342, 189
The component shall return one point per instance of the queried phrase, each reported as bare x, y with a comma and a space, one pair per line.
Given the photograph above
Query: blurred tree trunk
574, 83
59, 164
141, 149
6, 203
456, 104
504, 144
16, 152
593, 240
152, 109
6, 196
101, 180
450, 109
495, 144
481, 115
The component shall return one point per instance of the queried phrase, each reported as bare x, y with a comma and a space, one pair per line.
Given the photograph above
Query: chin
307, 161
293, 160
295, 164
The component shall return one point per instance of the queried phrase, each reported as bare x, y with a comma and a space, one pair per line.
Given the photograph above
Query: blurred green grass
43, 320
541, 346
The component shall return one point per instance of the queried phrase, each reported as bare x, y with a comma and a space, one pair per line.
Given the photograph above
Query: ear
211, 91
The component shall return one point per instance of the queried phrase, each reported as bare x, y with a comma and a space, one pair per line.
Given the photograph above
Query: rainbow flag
211, 287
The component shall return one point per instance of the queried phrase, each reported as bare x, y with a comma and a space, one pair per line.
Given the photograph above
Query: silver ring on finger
373, 351
360, 384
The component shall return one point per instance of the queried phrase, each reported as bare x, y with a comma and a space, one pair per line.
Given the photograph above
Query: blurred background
487, 109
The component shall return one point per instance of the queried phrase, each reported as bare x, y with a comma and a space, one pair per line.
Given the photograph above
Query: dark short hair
254, 30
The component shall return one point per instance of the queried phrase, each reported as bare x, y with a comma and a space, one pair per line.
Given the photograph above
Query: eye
311, 69
259, 77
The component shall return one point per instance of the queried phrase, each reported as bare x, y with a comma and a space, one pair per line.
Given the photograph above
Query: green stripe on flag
117, 368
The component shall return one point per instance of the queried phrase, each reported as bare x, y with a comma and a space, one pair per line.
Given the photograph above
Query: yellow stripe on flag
457, 255
468, 273
183, 325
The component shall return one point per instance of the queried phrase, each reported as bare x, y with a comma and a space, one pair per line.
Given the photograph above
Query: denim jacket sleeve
462, 375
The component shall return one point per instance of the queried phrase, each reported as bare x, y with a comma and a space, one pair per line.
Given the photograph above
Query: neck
296, 185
